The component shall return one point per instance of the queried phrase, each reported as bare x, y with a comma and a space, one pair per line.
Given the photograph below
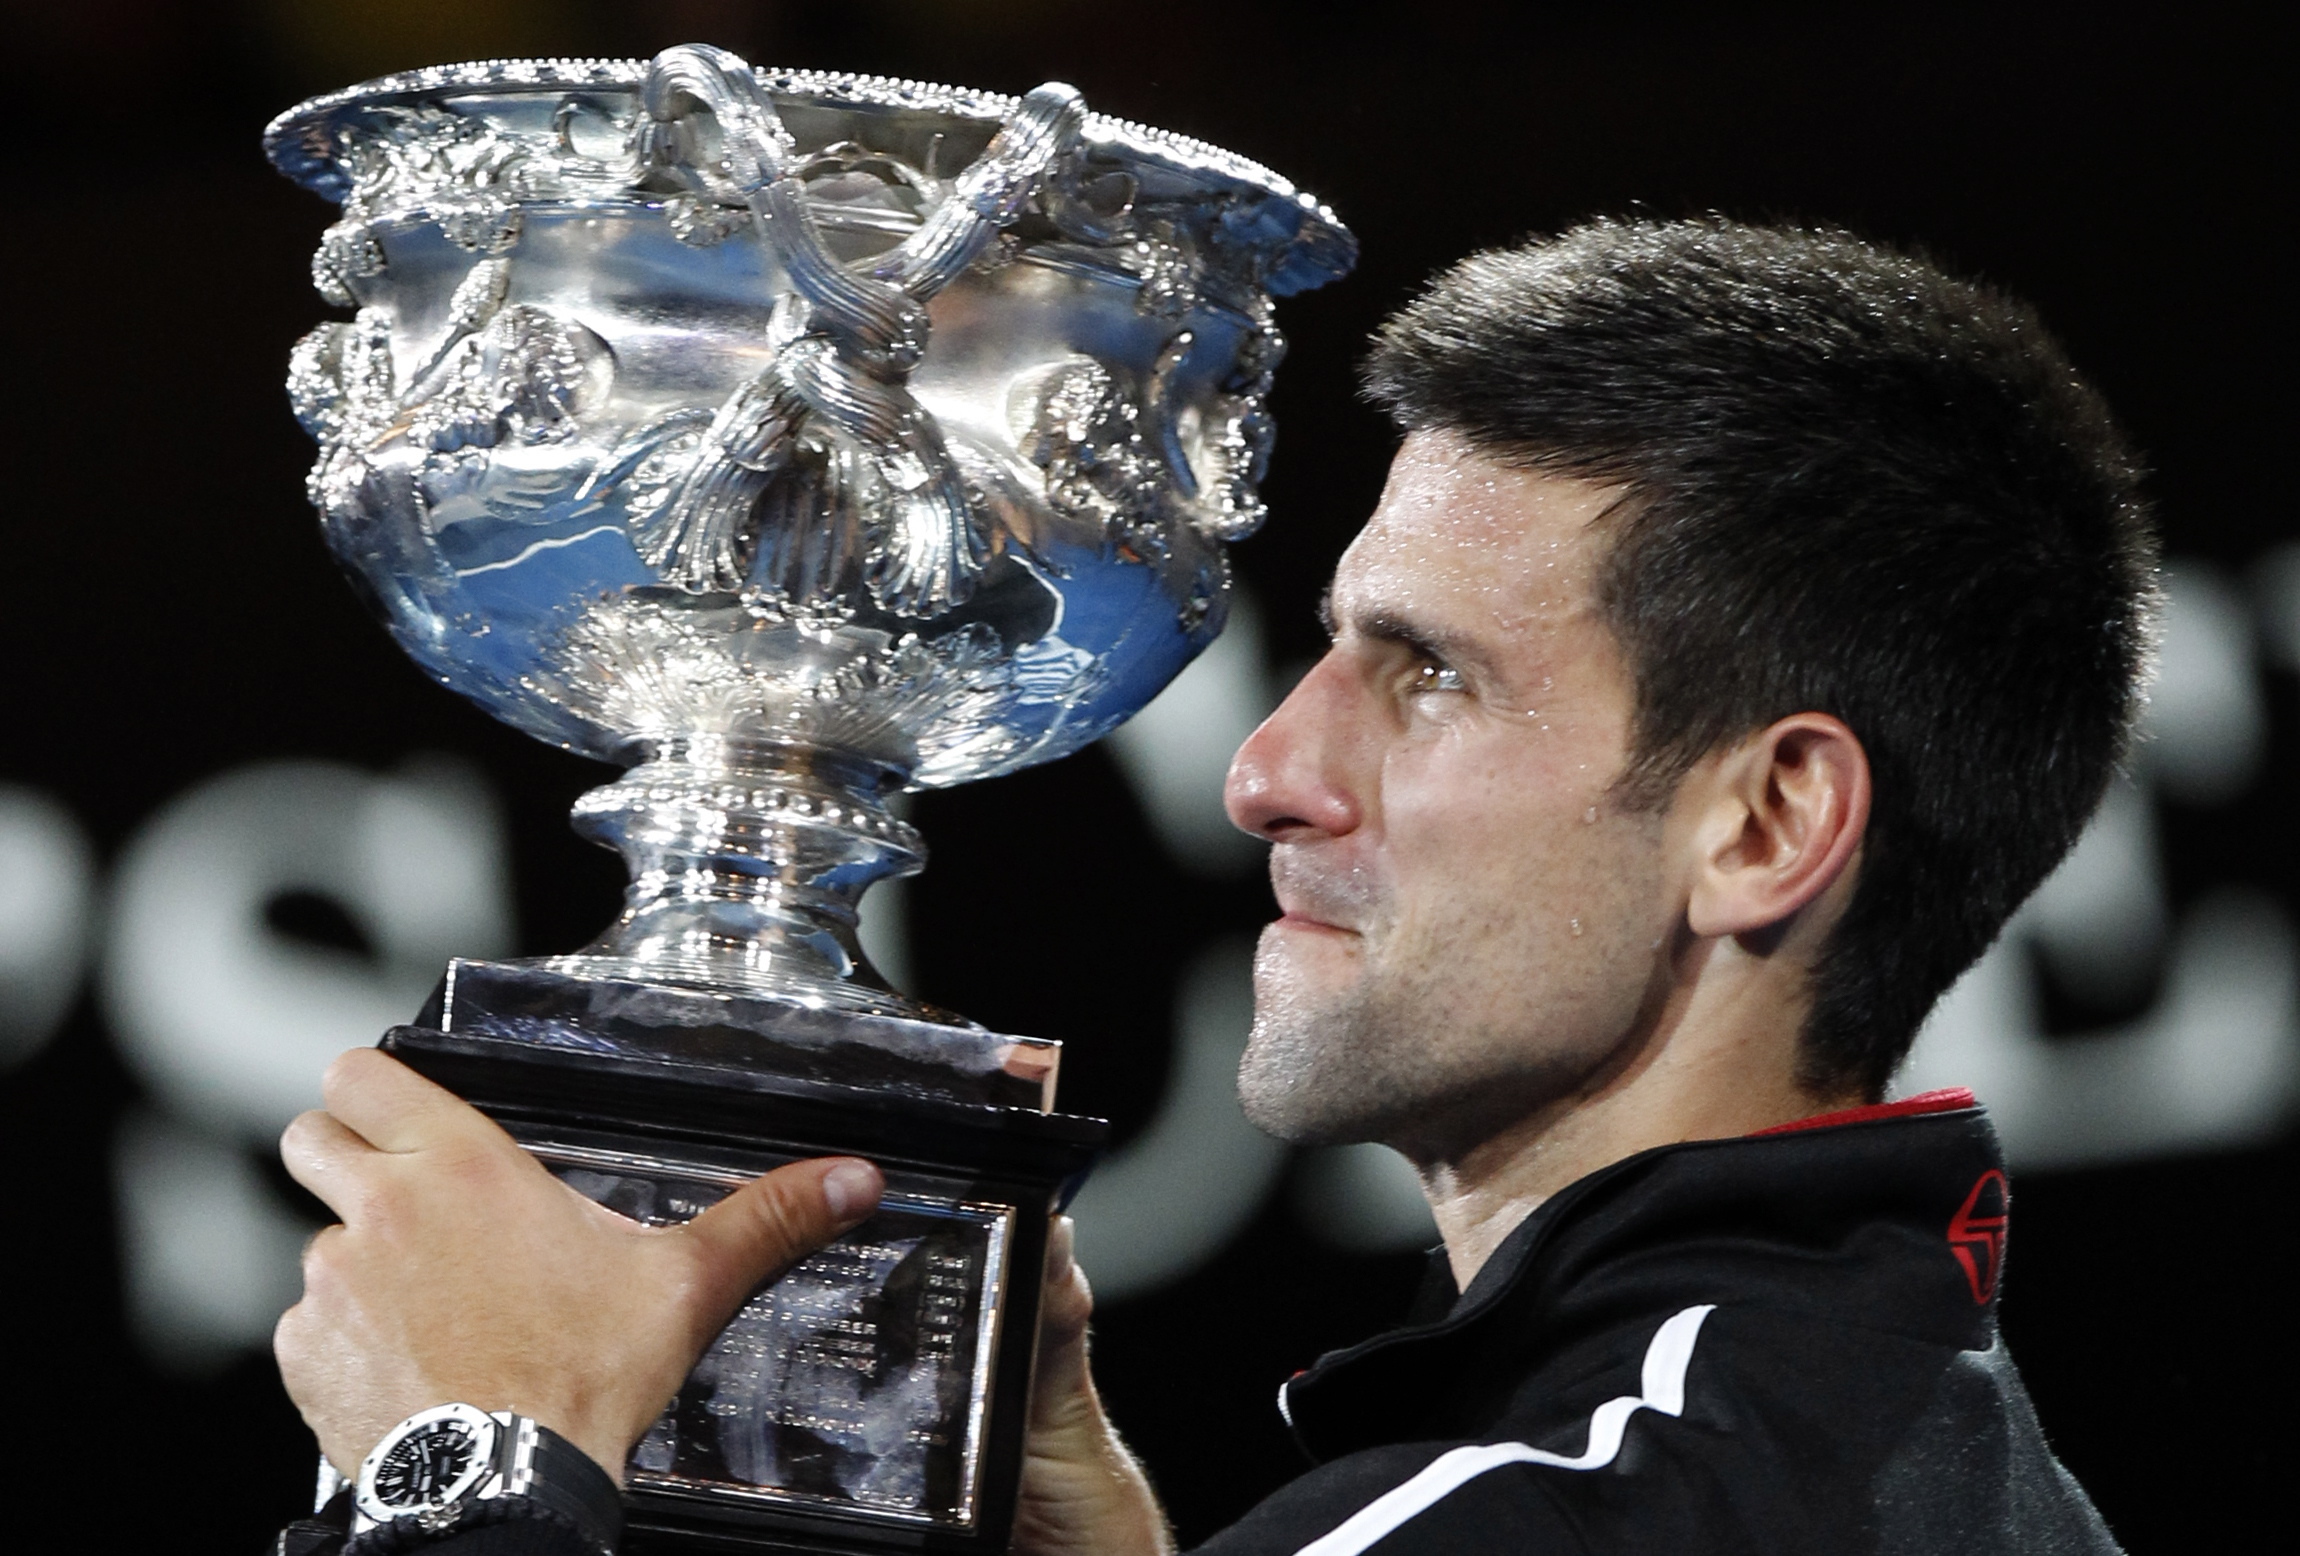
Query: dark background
170, 611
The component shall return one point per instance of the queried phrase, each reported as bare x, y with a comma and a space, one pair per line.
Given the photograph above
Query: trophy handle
846, 339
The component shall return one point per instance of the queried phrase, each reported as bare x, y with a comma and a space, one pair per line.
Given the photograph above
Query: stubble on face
1484, 938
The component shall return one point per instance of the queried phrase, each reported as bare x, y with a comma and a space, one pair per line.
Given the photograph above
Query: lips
1316, 892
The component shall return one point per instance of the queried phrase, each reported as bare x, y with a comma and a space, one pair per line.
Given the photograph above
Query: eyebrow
1391, 626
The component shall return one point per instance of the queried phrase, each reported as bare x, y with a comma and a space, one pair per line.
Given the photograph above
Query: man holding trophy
1752, 619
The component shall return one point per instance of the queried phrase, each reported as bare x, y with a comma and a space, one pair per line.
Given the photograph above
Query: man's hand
464, 1271
1083, 1494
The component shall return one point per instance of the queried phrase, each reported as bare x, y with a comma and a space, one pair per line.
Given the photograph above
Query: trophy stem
748, 862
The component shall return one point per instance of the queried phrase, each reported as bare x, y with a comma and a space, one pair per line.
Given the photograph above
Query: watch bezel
485, 1432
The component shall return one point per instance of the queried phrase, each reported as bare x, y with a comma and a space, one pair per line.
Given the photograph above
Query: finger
393, 1108
772, 1222
325, 1157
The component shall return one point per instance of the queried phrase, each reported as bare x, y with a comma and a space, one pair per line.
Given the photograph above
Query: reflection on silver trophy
792, 439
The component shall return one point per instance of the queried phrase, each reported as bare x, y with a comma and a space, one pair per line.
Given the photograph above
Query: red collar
1947, 1100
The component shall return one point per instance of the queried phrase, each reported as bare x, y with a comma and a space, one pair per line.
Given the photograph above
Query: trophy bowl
790, 438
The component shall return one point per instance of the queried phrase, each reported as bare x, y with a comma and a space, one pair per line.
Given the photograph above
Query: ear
1780, 821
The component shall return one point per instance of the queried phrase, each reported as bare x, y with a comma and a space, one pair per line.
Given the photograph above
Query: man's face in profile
1470, 922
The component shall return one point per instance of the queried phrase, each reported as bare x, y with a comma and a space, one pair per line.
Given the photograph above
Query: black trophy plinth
873, 1398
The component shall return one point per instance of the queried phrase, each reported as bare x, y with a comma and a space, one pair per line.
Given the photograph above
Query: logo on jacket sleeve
1977, 1234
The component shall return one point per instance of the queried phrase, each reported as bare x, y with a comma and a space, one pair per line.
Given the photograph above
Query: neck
1717, 1060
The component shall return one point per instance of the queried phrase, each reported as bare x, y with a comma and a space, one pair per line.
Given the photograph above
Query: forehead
1460, 534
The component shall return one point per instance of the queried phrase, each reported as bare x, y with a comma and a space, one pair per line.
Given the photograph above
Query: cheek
1511, 842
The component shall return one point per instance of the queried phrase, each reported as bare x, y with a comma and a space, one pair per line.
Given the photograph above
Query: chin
1308, 1108
1306, 967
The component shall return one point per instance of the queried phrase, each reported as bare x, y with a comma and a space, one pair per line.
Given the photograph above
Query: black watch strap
570, 1483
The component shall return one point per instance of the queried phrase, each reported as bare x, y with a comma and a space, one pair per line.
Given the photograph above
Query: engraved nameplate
857, 1382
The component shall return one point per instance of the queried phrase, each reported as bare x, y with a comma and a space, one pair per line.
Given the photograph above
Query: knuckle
355, 1195
478, 1166
297, 1139
786, 1216
1069, 1306
313, 1138
322, 1247
324, 1258
346, 1070
288, 1342
376, 1206
772, 1214
376, 1203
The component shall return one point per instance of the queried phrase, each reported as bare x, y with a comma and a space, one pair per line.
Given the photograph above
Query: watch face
432, 1460
426, 1465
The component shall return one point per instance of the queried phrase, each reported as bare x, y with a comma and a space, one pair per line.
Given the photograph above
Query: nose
1290, 782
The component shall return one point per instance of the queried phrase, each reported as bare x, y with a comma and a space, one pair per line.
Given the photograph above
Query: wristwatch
439, 1466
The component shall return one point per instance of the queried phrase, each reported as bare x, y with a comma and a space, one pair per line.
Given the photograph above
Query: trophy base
874, 1397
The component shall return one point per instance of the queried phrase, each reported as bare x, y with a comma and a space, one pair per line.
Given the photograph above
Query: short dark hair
1855, 485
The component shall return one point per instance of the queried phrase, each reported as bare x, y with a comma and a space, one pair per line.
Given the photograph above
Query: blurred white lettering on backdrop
229, 1022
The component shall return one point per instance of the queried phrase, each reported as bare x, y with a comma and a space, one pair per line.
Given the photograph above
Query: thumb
771, 1223
1068, 1302
1061, 1383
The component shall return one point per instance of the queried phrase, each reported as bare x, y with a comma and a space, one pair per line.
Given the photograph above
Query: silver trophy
792, 439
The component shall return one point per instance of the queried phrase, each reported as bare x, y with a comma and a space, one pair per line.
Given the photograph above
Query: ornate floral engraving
908, 701
499, 374
347, 252
462, 173
1235, 434
1128, 465
1164, 258
1078, 426
704, 222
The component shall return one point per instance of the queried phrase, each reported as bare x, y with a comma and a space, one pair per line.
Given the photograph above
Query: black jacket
1778, 1344
1775, 1345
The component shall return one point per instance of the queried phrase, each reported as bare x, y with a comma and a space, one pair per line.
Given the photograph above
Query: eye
1437, 678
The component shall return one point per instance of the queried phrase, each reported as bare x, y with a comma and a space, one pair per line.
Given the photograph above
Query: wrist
605, 1450
521, 1522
